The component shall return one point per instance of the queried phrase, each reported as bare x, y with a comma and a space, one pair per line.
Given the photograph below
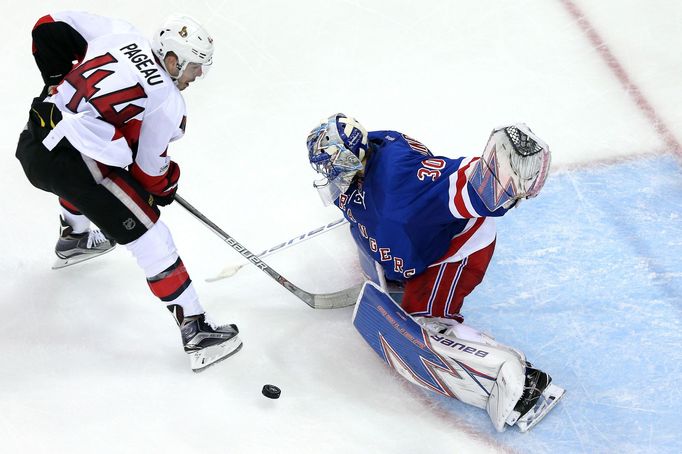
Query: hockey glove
45, 114
167, 195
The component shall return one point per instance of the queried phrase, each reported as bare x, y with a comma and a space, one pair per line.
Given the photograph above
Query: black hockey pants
120, 208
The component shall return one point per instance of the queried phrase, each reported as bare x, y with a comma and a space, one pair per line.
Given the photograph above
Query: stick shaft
231, 270
316, 301
303, 237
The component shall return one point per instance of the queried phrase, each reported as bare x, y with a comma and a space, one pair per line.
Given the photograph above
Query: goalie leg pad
453, 328
466, 370
506, 392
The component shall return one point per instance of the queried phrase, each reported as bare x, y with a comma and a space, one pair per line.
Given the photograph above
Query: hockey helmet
336, 150
187, 39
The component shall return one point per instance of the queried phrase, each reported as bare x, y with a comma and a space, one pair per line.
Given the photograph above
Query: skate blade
547, 400
203, 359
63, 263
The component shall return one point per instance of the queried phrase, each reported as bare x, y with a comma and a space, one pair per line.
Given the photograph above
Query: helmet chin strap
181, 70
179, 67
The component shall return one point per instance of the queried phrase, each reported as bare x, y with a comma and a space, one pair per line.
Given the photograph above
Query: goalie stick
231, 270
333, 300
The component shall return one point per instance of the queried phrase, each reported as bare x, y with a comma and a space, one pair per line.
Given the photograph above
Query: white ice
92, 362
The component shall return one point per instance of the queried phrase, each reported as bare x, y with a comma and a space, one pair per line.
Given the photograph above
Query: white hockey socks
166, 275
78, 222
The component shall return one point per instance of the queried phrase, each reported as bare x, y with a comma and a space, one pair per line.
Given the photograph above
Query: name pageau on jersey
413, 209
119, 106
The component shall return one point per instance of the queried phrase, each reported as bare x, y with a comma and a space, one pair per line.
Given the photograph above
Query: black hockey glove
55, 47
45, 114
172, 176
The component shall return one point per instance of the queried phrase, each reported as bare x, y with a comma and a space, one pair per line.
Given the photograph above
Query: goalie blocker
455, 360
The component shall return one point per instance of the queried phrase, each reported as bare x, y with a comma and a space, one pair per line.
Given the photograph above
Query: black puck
271, 391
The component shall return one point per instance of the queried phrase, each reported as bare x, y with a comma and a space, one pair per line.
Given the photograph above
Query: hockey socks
166, 274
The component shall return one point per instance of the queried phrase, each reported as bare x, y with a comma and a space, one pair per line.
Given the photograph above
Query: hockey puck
271, 391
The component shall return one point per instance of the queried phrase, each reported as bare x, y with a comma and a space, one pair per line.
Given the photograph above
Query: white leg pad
484, 374
463, 331
508, 386
506, 392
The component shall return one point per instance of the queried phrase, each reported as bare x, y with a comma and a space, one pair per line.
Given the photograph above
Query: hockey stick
231, 270
334, 300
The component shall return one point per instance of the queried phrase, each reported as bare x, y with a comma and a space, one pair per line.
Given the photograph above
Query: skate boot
204, 342
74, 248
539, 397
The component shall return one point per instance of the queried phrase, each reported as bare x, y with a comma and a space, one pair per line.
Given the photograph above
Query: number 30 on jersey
431, 168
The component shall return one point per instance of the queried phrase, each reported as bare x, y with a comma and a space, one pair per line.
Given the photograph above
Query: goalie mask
336, 150
188, 40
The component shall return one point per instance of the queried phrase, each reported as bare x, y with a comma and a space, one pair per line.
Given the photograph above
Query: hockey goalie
425, 232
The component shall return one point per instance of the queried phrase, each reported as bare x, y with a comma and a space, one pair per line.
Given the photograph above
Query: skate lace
95, 237
531, 390
210, 322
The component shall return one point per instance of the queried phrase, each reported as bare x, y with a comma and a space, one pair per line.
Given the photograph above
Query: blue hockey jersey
413, 209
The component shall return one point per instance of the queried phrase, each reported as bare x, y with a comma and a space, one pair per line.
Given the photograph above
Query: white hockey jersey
119, 105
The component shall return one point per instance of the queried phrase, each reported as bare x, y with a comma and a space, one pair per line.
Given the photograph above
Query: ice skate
74, 248
204, 342
539, 397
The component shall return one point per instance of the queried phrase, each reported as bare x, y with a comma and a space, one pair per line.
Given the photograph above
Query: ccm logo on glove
162, 188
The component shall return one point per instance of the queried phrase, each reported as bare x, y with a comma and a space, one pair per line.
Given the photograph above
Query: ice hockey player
98, 138
425, 233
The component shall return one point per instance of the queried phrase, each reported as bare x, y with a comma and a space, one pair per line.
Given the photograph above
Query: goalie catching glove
514, 166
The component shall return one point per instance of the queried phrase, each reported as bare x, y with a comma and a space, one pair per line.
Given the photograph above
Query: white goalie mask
187, 39
336, 150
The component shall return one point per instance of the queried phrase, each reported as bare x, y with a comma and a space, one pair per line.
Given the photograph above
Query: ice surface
586, 278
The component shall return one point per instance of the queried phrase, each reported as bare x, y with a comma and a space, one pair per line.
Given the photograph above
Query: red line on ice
622, 75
